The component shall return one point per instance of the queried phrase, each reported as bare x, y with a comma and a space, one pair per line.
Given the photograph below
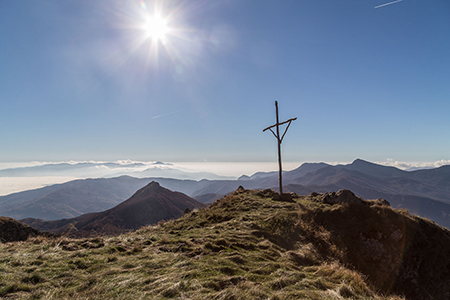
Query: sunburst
155, 28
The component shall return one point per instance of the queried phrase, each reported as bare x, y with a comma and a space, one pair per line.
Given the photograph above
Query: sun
156, 32
156, 28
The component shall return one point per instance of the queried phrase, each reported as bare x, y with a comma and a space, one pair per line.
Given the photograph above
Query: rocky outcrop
341, 197
383, 202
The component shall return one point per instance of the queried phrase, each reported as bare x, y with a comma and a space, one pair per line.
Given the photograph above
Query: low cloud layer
409, 166
25, 176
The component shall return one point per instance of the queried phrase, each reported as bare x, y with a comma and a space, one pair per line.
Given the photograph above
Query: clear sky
85, 80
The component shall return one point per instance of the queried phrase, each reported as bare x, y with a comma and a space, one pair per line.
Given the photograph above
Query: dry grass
244, 246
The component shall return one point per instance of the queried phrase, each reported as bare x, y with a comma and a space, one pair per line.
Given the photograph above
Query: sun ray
159, 36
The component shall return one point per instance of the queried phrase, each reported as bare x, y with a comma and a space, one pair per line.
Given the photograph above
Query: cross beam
279, 140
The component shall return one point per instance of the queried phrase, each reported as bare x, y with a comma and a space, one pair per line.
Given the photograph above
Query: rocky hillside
248, 245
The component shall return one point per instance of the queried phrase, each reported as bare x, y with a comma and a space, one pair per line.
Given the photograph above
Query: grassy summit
244, 246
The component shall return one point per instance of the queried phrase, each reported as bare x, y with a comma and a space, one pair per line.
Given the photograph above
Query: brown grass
245, 246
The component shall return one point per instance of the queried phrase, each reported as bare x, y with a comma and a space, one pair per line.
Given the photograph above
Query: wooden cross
277, 135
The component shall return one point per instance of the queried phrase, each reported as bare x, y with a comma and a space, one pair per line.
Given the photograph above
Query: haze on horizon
17, 177
196, 81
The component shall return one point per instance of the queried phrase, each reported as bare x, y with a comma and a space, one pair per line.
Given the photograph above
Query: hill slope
245, 246
148, 205
12, 231
71, 199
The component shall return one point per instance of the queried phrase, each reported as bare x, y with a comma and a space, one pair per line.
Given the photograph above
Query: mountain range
148, 205
107, 169
422, 192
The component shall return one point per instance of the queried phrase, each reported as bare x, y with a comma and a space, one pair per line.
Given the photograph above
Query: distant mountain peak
364, 163
360, 161
373, 169
153, 184
161, 163
150, 189
148, 205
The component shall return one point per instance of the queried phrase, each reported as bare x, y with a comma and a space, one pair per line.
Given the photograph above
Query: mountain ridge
148, 205
367, 180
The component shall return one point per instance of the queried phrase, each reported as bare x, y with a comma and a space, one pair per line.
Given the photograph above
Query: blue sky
79, 81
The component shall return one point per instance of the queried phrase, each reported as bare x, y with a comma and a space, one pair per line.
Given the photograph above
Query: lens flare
143, 5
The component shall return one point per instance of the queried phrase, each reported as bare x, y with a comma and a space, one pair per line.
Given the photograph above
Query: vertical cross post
280, 168
279, 141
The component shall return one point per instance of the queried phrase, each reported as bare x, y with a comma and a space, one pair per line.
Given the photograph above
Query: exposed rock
372, 248
383, 202
285, 197
379, 202
397, 235
239, 190
341, 197
268, 193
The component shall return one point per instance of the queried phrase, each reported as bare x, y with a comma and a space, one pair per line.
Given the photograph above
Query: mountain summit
148, 205
373, 169
247, 245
